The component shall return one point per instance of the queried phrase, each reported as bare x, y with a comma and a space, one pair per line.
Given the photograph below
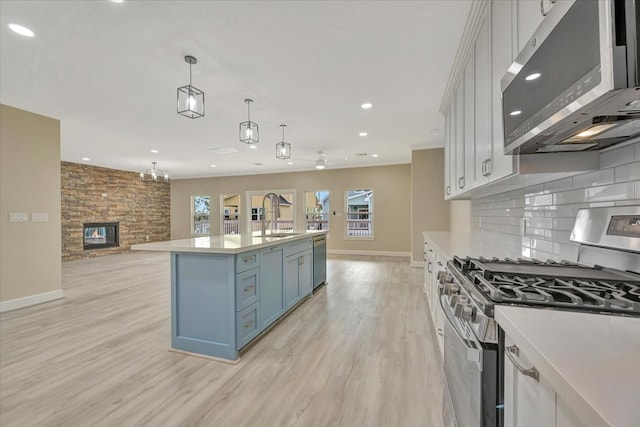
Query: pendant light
249, 130
283, 149
154, 175
190, 98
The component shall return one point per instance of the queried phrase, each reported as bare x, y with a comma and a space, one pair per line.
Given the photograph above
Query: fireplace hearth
100, 235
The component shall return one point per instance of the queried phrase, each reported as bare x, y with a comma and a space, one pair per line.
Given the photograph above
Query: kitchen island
226, 290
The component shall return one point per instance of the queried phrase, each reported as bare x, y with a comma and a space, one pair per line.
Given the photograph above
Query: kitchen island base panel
202, 356
203, 304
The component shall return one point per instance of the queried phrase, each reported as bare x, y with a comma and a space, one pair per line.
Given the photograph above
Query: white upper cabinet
499, 165
474, 148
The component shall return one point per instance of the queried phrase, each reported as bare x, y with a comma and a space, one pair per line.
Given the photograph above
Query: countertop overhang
224, 244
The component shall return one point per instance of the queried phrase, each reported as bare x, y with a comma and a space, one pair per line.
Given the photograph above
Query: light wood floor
360, 352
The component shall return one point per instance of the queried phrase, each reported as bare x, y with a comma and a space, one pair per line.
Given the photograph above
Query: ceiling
109, 71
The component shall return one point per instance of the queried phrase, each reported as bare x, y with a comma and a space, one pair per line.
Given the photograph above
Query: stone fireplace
99, 235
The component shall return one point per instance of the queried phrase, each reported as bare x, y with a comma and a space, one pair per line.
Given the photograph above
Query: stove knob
454, 300
444, 277
451, 289
468, 313
457, 310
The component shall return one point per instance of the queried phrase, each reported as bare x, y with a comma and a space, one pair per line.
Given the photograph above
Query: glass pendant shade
283, 149
190, 98
154, 175
249, 133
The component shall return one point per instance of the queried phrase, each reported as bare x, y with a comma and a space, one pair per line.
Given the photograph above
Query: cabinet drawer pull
431, 250
249, 324
249, 259
512, 353
430, 267
439, 331
488, 168
461, 182
484, 172
440, 263
542, 11
448, 190
249, 287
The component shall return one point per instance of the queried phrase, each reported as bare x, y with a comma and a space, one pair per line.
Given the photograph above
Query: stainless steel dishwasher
319, 260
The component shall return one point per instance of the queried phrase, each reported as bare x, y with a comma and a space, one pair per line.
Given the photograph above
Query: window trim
193, 215
304, 207
370, 213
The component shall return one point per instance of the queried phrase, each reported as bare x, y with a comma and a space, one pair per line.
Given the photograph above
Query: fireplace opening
99, 235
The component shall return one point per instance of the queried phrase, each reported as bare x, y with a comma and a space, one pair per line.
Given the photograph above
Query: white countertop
591, 360
226, 244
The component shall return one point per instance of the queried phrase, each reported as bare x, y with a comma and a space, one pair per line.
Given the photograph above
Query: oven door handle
473, 352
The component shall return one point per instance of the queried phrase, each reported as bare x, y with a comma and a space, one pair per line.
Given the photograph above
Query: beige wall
429, 210
29, 182
392, 186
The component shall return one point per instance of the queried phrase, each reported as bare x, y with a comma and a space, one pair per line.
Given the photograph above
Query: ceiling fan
320, 162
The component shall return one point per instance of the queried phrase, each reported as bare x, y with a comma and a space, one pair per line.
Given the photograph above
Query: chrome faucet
275, 207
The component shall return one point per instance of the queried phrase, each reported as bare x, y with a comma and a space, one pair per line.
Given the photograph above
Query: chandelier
190, 98
283, 149
249, 130
154, 175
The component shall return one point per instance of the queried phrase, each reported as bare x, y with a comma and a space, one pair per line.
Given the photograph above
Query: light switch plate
39, 217
18, 217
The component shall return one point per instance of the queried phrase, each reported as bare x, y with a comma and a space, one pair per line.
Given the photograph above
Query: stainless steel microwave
575, 86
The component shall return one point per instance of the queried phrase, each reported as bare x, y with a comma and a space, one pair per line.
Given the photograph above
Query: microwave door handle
473, 353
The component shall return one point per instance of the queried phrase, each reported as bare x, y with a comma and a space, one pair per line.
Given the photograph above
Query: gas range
472, 287
605, 280
551, 284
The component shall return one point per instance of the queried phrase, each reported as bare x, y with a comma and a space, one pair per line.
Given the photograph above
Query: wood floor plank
360, 352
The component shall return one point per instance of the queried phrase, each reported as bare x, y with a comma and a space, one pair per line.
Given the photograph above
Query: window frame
322, 213
194, 213
359, 213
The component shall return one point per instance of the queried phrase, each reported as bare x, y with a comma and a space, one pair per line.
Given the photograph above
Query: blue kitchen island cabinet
223, 298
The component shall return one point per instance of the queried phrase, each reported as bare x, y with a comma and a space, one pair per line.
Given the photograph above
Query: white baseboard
14, 304
371, 253
417, 264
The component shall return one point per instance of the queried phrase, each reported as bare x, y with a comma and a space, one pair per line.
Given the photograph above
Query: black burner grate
551, 284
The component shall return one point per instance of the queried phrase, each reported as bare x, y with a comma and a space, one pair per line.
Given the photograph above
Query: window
359, 208
201, 215
316, 210
282, 220
230, 218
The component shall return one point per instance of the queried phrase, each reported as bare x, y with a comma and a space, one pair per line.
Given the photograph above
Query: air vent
361, 154
223, 150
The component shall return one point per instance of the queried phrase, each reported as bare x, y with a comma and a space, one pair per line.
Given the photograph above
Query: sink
284, 234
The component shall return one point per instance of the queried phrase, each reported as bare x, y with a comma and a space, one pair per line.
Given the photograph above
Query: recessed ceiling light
117, 1
363, 134
253, 146
213, 166
533, 76
154, 151
23, 31
515, 113
289, 163
366, 105
374, 155
86, 159
319, 166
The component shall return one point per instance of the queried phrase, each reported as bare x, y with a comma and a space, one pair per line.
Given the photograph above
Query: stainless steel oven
472, 372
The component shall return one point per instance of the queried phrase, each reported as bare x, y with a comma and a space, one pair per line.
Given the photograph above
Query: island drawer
247, 290
247, 325
247, 260
297, 246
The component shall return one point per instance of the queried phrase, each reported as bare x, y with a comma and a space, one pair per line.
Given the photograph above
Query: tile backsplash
535, 222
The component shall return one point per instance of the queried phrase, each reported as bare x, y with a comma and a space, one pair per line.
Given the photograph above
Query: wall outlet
147, 237
18, 217
39, 217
